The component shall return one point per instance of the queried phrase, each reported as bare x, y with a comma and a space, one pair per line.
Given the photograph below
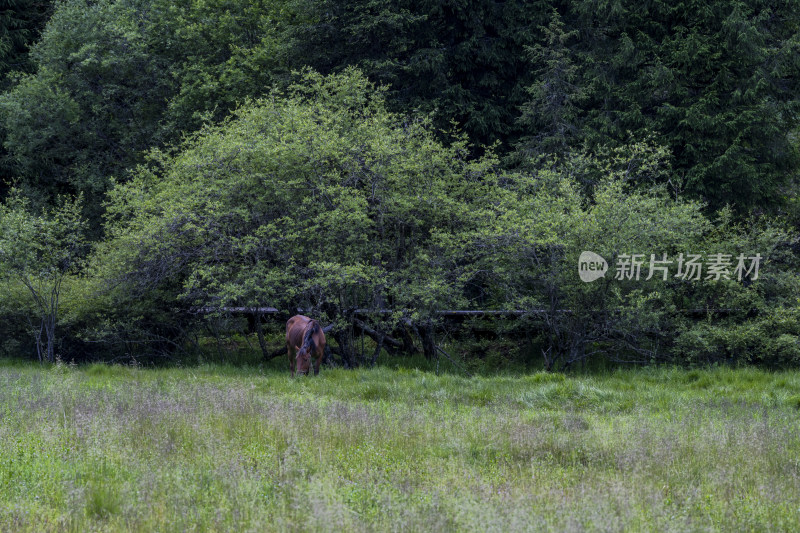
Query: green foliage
550, 114
217, 53
758, 323
20, 24
15, 309
772, 341
39, 252
318, 198
114, 78
321, 199
526, 258
91, 106
612, 127
716, 82
461, 61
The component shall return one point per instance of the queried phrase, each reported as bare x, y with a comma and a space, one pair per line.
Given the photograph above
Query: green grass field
216, 448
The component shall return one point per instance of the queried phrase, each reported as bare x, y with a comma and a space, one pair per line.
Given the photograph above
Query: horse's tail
308, 338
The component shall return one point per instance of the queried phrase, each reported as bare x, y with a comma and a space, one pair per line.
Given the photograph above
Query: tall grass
213, 448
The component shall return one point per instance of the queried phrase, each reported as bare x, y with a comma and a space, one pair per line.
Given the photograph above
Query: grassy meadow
221, 448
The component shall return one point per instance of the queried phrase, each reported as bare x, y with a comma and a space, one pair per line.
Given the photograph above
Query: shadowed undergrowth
221, 448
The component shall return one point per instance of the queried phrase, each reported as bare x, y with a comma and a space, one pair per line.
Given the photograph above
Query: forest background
377, 164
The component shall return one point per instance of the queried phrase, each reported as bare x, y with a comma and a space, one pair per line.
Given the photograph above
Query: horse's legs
321, 350
289, 353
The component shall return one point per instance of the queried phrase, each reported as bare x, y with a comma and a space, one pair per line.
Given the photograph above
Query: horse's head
303, 360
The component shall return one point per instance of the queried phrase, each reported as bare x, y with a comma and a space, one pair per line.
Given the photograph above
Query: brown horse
305, 338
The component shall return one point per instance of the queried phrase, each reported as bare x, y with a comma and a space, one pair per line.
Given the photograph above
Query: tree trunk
345, 348
50, 330
428, 341
377, 335
260, 333
377, 351
408, 341
39, 347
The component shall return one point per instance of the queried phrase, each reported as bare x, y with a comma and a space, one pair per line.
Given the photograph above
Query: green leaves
47, 246
39, 252
114, 79
317, 197
21, 21
231, 181
461, 62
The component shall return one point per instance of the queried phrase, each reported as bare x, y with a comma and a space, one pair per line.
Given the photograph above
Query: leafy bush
320, 198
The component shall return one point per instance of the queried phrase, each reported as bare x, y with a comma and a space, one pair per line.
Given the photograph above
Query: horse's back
297, 320
295, 327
